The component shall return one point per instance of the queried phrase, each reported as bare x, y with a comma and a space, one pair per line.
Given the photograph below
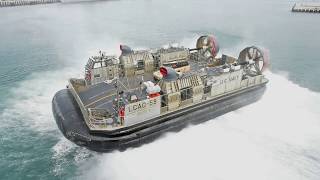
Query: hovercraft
132, 99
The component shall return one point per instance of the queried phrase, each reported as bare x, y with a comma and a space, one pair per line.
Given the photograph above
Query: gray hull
71, 123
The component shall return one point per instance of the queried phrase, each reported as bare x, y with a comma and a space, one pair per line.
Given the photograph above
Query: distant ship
130, 100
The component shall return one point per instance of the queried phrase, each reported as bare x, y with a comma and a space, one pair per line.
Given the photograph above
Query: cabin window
186, 94
164, 100
140, 65
207, 89
97, 65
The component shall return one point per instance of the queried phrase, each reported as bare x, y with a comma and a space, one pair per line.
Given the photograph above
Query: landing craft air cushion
130, 100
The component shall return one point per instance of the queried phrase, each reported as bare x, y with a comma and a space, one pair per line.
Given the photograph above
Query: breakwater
10, 3
306, 7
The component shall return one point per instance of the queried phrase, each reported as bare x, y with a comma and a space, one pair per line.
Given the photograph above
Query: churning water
276, 138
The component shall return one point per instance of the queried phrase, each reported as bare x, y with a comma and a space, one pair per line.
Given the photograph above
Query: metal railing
99, 120
74, 92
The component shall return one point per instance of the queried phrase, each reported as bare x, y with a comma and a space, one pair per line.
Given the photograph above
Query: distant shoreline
306, 7
10, 3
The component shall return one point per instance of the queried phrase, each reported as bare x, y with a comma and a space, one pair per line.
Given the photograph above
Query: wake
275, 138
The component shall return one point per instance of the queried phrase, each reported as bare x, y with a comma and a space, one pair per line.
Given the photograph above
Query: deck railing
74, 92
100, 122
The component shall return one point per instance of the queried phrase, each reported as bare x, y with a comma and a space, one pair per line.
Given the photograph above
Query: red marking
88, 76
266, 60
121, 112
154, 95
163, 71
213, 44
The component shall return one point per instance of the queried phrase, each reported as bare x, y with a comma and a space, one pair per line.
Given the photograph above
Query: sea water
276, 138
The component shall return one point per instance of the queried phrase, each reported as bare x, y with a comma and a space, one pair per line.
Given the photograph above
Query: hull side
71, 123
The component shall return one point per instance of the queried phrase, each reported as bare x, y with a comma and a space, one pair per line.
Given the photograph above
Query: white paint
142, 110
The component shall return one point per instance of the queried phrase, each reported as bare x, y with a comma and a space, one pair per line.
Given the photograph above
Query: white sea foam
64, 149
30, 102
275, 138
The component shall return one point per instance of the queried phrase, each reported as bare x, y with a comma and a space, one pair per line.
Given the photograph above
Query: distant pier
306, 7
8, 3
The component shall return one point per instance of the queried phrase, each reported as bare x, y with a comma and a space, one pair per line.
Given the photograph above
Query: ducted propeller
254, 59
208, 44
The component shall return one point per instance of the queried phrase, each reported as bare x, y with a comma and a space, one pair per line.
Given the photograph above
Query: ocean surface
276, 138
